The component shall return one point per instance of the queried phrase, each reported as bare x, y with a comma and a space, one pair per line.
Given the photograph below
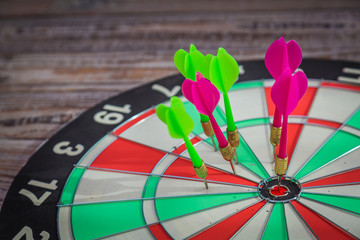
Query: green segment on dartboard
150, 186
245, 85
179, 125
276, 225
91, 221
339, 144
168, 208
224, 71
67, 196
351, 204
355, 120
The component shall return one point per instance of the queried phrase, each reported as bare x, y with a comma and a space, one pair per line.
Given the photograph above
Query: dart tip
232, 166
236, 158
206, 184
279, 180
213, 143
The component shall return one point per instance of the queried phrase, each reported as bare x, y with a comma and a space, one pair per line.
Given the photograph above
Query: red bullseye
276, 191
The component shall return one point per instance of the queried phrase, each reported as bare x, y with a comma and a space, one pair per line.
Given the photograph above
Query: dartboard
115, 172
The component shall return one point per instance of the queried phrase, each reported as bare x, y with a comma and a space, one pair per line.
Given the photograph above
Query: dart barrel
275, 135
201, 171
233, 138
281, 165
208, 130
227, 152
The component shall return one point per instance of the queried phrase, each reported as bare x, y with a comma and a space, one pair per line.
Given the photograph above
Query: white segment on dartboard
255, 227
133, 234
169, 187
152, 132
310, 140
347, 221
348, 161
149, 212
163, 164
182, 227
255, 137
345, 190
240, 100
295, 225
334, 104
212, 158
268, 82
98, 186
64, 223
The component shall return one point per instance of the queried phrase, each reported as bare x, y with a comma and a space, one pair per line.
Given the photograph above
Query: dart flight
188, 63
224, 71
180, 125
280, 56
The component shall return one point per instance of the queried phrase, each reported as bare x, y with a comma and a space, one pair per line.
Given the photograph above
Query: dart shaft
283, 139
277, 118
196, 160
229, 115
218, 133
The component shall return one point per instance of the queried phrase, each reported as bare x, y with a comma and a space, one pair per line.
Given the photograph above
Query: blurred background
61, 57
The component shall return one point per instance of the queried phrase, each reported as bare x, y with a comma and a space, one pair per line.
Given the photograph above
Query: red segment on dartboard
229, 226
323, 228
324, 123
159, 232
184, 168
340, 85
126, 155
303, 107
294, 131
350, 176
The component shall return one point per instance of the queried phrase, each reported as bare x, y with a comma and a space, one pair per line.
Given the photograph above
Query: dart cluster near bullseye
208, 75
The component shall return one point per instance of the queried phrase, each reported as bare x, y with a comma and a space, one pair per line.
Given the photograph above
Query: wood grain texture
61, 57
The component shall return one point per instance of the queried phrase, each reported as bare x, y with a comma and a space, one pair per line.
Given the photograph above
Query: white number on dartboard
112, 114
167, 92
37, 201
28, 233
64, 148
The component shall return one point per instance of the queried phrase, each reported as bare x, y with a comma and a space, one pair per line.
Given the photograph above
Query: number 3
64, 148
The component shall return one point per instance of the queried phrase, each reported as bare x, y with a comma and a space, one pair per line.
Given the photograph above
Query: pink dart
205, 96
279, 56
287, 91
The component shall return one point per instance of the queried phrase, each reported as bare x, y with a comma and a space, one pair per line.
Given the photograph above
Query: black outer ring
18, 211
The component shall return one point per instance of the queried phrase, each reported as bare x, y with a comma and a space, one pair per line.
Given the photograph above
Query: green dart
188, 63
224, 71
180, 125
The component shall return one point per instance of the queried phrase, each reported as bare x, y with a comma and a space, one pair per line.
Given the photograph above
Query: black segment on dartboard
19, 214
